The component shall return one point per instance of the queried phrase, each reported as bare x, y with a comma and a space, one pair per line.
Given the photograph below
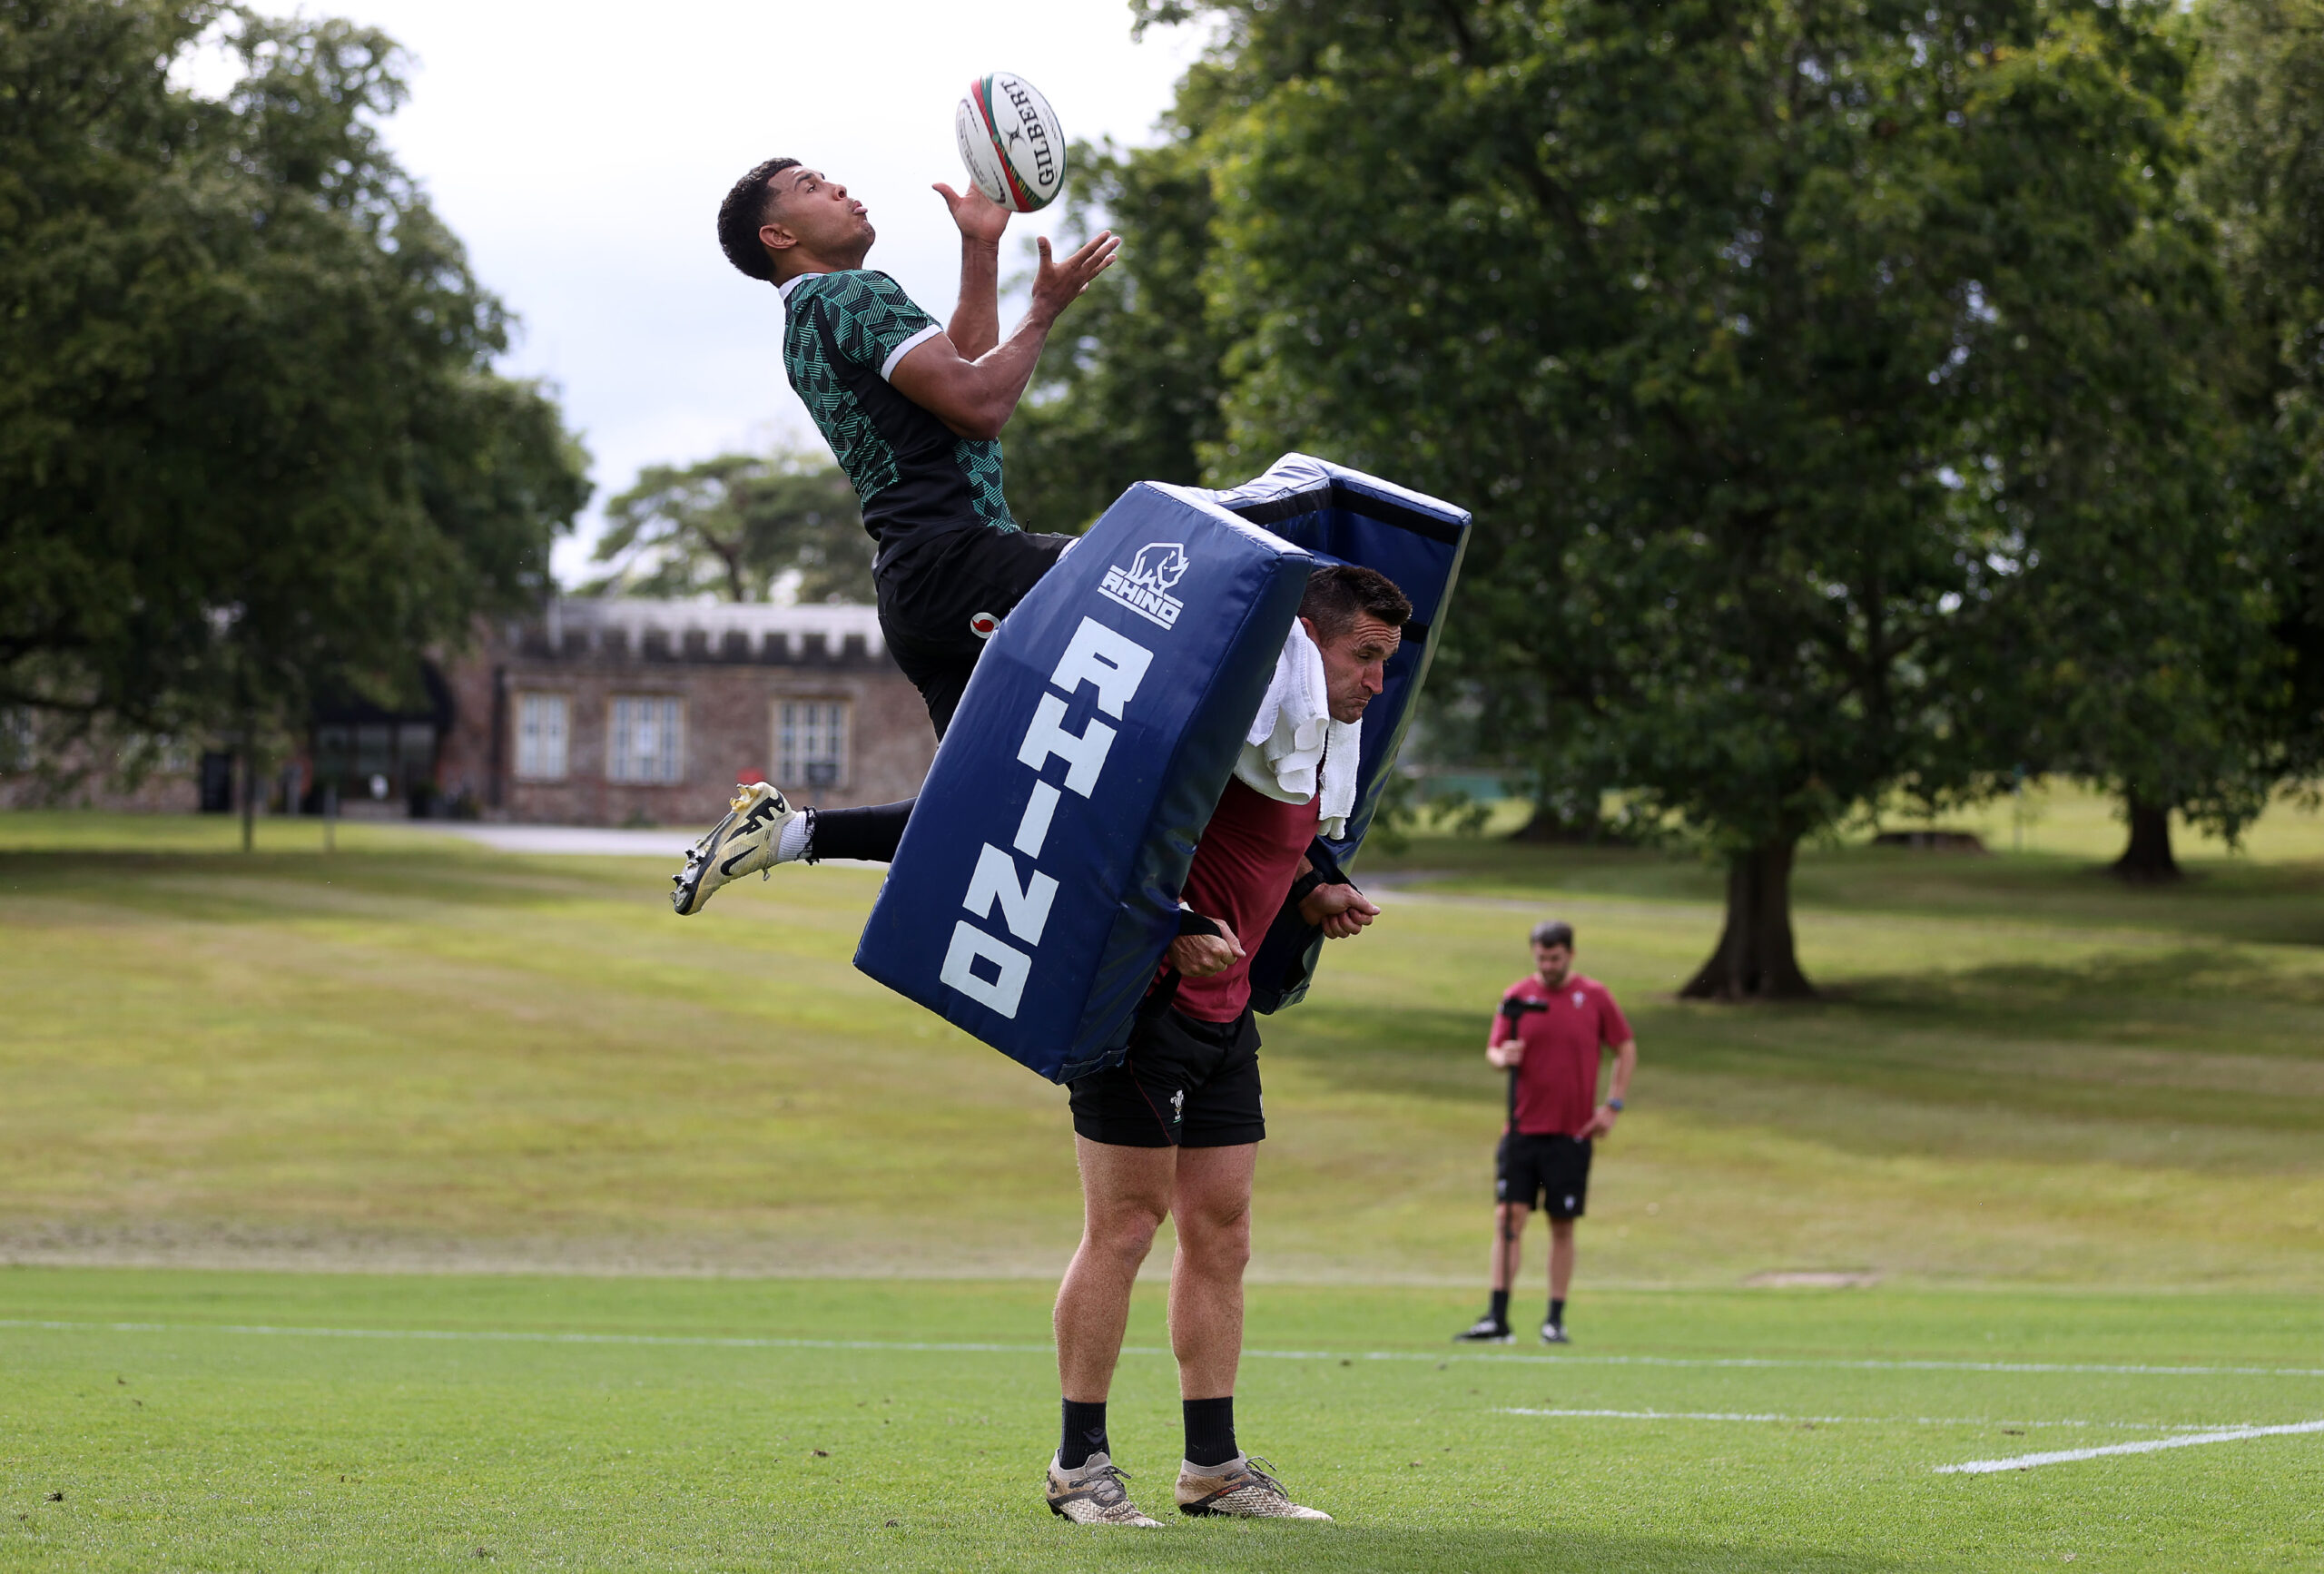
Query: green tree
1737, 322
251, 446
1131, 393
733, 526
2260, 125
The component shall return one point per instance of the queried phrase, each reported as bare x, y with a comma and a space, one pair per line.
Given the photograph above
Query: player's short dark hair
1340, 593
1553, 932
742, 213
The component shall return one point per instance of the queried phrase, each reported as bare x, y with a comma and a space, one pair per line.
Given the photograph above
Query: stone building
598, 712
613, 712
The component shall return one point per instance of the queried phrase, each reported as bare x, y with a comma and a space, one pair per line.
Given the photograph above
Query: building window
648, 739
541, 731
811, 742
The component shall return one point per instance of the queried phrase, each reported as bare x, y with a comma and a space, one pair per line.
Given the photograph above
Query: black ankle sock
868, 834
1557, 1311
1210, 1430
1500, 1308
1085, 1434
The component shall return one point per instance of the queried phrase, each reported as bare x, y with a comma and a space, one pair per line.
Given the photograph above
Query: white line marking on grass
708, 1340
2067, 1456
1869, 1421
2212, 1426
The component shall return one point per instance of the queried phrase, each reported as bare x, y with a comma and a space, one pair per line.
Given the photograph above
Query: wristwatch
1615, 1105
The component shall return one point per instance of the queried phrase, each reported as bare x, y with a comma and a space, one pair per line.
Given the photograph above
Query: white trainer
1238, 1488
742, 843
1092, 1493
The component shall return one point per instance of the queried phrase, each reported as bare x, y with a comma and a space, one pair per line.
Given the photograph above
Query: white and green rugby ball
1010, 141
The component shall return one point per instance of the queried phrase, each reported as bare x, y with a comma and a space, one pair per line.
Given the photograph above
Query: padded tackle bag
1037, 885
1344, 516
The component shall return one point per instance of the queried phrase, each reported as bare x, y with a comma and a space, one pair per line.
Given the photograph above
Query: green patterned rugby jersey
842, 335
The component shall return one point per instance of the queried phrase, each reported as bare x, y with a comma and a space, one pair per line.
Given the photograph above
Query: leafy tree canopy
251, 442
1130, 391
1778, 345
740, 527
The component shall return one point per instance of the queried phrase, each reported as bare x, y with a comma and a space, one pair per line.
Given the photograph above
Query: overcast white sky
581, 149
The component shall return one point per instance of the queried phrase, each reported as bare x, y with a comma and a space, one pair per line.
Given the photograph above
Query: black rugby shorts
1184, 1083
935, 594
1549, 1171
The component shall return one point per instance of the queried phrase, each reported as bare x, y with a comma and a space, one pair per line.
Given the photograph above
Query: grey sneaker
1239, 1488
1092, 1493
742, 844
1554, 1334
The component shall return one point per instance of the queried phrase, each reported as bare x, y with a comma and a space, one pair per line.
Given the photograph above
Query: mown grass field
413, 1052
267, 1421
2062, 1125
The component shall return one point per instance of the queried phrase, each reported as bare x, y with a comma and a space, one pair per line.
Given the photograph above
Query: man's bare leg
1212, 1206
1509, 1235
1561, 1258
1561, 1279
1126, 1194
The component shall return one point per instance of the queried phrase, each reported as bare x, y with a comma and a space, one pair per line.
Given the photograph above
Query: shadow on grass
1392, 1550
2133, 1038
2274, 903
229, 887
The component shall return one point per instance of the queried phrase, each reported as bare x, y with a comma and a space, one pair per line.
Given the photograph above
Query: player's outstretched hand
1058, 284
1339, 911
979, 216
1199, 956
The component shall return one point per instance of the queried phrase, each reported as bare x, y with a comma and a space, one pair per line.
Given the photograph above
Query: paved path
665, 842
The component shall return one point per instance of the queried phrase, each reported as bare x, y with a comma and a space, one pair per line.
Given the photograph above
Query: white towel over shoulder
1293, 741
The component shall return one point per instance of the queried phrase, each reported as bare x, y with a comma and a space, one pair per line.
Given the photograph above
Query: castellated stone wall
664, 706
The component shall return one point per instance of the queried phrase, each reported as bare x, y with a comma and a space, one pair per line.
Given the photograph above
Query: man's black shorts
1549, 1172
933, 595
1183, 1084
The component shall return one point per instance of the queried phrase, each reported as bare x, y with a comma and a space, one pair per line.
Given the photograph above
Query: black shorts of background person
1549, 1171
941, 596
1183, 1083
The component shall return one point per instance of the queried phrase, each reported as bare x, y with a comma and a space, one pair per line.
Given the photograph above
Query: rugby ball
1010, 141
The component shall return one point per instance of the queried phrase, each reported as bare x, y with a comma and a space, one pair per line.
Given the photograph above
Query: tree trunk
250, 792
2147, 857
1755, 960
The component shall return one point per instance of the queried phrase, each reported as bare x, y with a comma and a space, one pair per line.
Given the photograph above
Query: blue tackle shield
1036, 884
1344, 516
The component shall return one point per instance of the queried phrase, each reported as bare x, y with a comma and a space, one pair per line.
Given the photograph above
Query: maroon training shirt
1557, 1082
1242, 870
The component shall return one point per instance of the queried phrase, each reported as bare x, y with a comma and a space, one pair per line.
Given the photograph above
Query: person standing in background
1548, 1035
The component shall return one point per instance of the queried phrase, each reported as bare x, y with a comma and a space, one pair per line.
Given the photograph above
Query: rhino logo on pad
1144, 586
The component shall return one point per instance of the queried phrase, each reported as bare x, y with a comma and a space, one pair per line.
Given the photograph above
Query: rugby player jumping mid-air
913, 410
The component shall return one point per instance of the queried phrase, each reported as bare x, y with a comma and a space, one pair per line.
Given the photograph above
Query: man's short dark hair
1553, 932
1340, 593
741, 214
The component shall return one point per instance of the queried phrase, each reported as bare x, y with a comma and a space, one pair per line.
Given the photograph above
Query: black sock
1500, 1308
1085, 1434
867, 833
1210, 1430
1557, 1310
